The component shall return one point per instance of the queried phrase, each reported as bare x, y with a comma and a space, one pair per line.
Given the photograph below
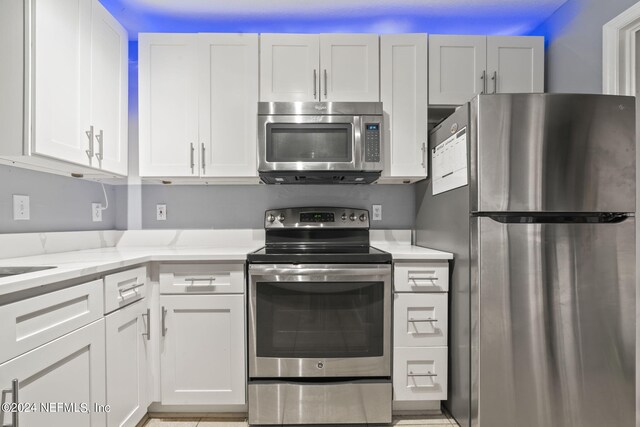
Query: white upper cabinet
109, 67
349, 67
515, 64
73, 55
289, 67
403, 92
326, 67
461, 67
228, 104
168, 107
60, 61
457, 68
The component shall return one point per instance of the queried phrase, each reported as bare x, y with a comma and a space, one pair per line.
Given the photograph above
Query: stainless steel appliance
319, 321
543, 286
320, 142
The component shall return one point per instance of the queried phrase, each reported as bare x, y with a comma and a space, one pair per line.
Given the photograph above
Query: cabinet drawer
124, 288
420, 320
202, 278
32, 322
419, 373
421, 277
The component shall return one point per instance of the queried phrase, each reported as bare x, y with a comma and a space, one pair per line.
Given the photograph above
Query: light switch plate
21, 211
161, 212
96, 212
376, 212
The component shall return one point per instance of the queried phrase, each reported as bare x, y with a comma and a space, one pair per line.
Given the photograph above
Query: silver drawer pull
422, 278
209, 281
429, 374
15, 386
131, 288
422, 320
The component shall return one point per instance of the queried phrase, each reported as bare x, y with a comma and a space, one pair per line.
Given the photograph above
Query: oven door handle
321, 271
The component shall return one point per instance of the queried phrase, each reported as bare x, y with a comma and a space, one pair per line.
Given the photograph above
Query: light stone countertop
138, 247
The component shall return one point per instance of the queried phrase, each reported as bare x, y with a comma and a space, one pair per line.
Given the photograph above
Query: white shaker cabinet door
61, 78
289, 67
457, 68
515, 64
109, 67
349, 68
403, 85
127, 335
168, 105
202, 349
228, 104
69, 370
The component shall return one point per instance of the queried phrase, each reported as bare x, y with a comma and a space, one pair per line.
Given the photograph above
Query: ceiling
509, 17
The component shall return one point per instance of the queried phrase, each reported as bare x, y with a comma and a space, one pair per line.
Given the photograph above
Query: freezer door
553, 324
552, 152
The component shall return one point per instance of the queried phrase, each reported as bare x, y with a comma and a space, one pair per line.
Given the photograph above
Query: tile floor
413, 421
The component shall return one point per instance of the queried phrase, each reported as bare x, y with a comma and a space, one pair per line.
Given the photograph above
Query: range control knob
352, 217
363, 217
344, 216
271, 218
281, 217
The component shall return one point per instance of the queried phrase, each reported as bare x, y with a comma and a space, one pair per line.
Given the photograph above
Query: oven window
324, 320
316, 142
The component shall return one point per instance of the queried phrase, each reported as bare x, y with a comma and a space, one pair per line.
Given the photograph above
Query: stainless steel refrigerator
535, 196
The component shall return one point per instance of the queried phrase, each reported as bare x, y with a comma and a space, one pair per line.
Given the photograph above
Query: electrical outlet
377, 212
161, 212
21, 207
96, 212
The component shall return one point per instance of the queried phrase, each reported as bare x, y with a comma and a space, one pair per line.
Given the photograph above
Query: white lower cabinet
127, 343
420, 373
64, 378
420, 326
202, 349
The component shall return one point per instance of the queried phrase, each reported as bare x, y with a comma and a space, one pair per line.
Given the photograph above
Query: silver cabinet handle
422, 278
484, 81
164, 319
200, 279
424, 153
131, 288
100, 139
193, 164
204, 162
15, 385
429, 374
495, 81
315, 83
148, 324
325, 83
90, 152
422, 320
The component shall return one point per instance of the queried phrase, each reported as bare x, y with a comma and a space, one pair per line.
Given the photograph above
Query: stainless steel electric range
319, 321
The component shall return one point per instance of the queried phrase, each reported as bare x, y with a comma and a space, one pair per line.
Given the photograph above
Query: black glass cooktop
297, 254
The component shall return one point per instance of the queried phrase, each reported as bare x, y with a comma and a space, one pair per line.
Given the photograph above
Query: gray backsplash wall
57, 203
243, 206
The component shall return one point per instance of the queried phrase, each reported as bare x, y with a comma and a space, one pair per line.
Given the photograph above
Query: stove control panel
316, 217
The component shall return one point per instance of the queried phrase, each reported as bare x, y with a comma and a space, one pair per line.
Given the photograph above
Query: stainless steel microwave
320, 142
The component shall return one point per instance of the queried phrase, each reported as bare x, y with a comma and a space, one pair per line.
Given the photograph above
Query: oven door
319, 320
309, 143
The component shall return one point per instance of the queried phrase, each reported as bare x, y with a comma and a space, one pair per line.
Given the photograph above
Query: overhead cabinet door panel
350, 67
168, 105
515, 64
457, 67
289, 67
228, 104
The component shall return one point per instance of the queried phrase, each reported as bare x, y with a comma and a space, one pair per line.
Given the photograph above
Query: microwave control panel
372, 142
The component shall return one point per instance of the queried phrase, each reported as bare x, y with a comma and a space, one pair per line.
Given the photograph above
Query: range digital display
316, 217
373, 127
